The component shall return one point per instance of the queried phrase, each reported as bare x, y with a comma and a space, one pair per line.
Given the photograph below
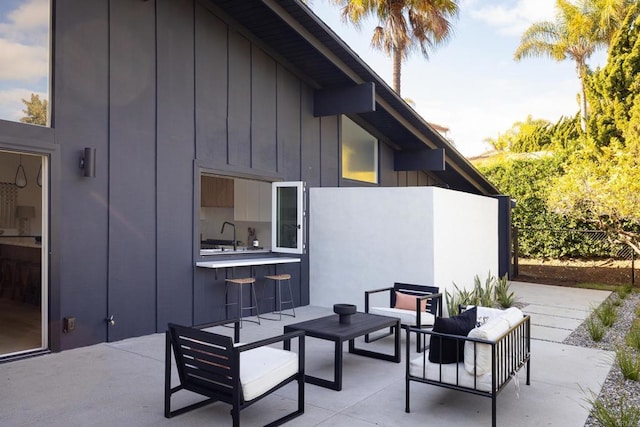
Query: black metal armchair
211, 365
415, 305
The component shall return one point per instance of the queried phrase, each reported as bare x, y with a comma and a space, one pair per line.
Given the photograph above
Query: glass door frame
277, 221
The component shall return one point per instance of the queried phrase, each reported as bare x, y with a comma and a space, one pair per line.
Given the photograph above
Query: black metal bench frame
509, 354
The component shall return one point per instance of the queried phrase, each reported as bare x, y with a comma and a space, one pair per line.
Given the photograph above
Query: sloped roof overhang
318, 56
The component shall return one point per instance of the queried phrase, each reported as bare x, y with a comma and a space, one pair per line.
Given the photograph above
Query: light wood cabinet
252, 201
216, 192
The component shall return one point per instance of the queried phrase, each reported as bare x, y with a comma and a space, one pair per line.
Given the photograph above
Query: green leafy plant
457, 298
505, 297
608, 415
622, 291
617, 301
595, 328
628, 363
633, 336
484, 296
607, 313
493, 292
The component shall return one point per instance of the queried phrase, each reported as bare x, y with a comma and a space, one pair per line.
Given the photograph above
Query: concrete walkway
121, 383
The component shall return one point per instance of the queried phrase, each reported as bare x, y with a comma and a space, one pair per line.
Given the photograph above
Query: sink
210, 251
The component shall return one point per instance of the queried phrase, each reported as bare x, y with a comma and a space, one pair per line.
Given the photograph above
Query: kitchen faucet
235, 243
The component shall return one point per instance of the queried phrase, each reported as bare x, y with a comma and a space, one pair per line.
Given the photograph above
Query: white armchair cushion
263, 368
407, 317
491, 331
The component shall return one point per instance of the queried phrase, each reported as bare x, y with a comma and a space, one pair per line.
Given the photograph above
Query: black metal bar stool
241, 283
279, 280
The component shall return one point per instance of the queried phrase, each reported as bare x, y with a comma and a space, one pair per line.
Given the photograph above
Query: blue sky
472, 85
24, 54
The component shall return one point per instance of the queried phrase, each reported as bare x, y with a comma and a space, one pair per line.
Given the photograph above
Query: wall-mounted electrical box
68, 324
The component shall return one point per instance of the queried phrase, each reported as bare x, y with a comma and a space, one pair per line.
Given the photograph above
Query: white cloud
24, 42
472, 122
22, 62
513, 19
29, 23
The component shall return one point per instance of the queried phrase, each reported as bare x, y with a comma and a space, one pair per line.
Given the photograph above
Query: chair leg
293, 305
255, 301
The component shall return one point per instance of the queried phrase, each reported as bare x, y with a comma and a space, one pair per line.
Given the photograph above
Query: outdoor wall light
88, 162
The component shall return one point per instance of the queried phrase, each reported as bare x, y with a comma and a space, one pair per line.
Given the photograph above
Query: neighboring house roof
439, 128
495, 155
323, 60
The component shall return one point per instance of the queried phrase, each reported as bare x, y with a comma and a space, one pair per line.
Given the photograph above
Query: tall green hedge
527, 181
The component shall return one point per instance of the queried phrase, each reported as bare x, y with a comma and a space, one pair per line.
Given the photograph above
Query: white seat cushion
407, 317
450, 373
263, 368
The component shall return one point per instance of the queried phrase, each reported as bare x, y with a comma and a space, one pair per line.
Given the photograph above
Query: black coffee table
328, 328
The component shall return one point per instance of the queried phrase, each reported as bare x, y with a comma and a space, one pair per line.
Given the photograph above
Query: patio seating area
123, 382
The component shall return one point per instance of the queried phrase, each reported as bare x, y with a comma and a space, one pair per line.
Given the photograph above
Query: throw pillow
408, 302
451, 350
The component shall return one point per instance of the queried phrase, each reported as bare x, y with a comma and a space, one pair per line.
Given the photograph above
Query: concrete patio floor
121, 383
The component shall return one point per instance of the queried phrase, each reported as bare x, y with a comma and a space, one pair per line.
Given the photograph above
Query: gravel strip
615, 387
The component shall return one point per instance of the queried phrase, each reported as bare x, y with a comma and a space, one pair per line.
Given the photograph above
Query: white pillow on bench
477, 356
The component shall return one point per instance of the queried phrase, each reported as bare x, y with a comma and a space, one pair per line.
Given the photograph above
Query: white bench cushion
451, 373
407, 317
263, 368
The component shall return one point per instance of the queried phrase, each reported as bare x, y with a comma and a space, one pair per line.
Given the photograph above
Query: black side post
504, 235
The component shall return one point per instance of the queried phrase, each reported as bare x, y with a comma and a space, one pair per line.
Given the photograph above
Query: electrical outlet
69, 324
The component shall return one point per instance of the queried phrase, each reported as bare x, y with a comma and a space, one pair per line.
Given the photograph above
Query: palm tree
579, 29
611, 14
403, 25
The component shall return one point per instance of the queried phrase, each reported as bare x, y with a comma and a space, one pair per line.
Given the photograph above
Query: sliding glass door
23, 245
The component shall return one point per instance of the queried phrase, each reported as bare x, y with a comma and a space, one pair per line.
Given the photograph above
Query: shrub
504, 296
622, 291
609, 416
484, 296
595, 328
492, 293
633, 336
607, 313
629, 364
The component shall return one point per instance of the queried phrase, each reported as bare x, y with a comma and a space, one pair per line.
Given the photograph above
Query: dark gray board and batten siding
163, 90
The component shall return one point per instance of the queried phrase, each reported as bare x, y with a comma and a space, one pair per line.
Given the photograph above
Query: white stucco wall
368, 238
465, 238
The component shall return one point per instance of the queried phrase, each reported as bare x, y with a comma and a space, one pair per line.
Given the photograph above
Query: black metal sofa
486, 367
